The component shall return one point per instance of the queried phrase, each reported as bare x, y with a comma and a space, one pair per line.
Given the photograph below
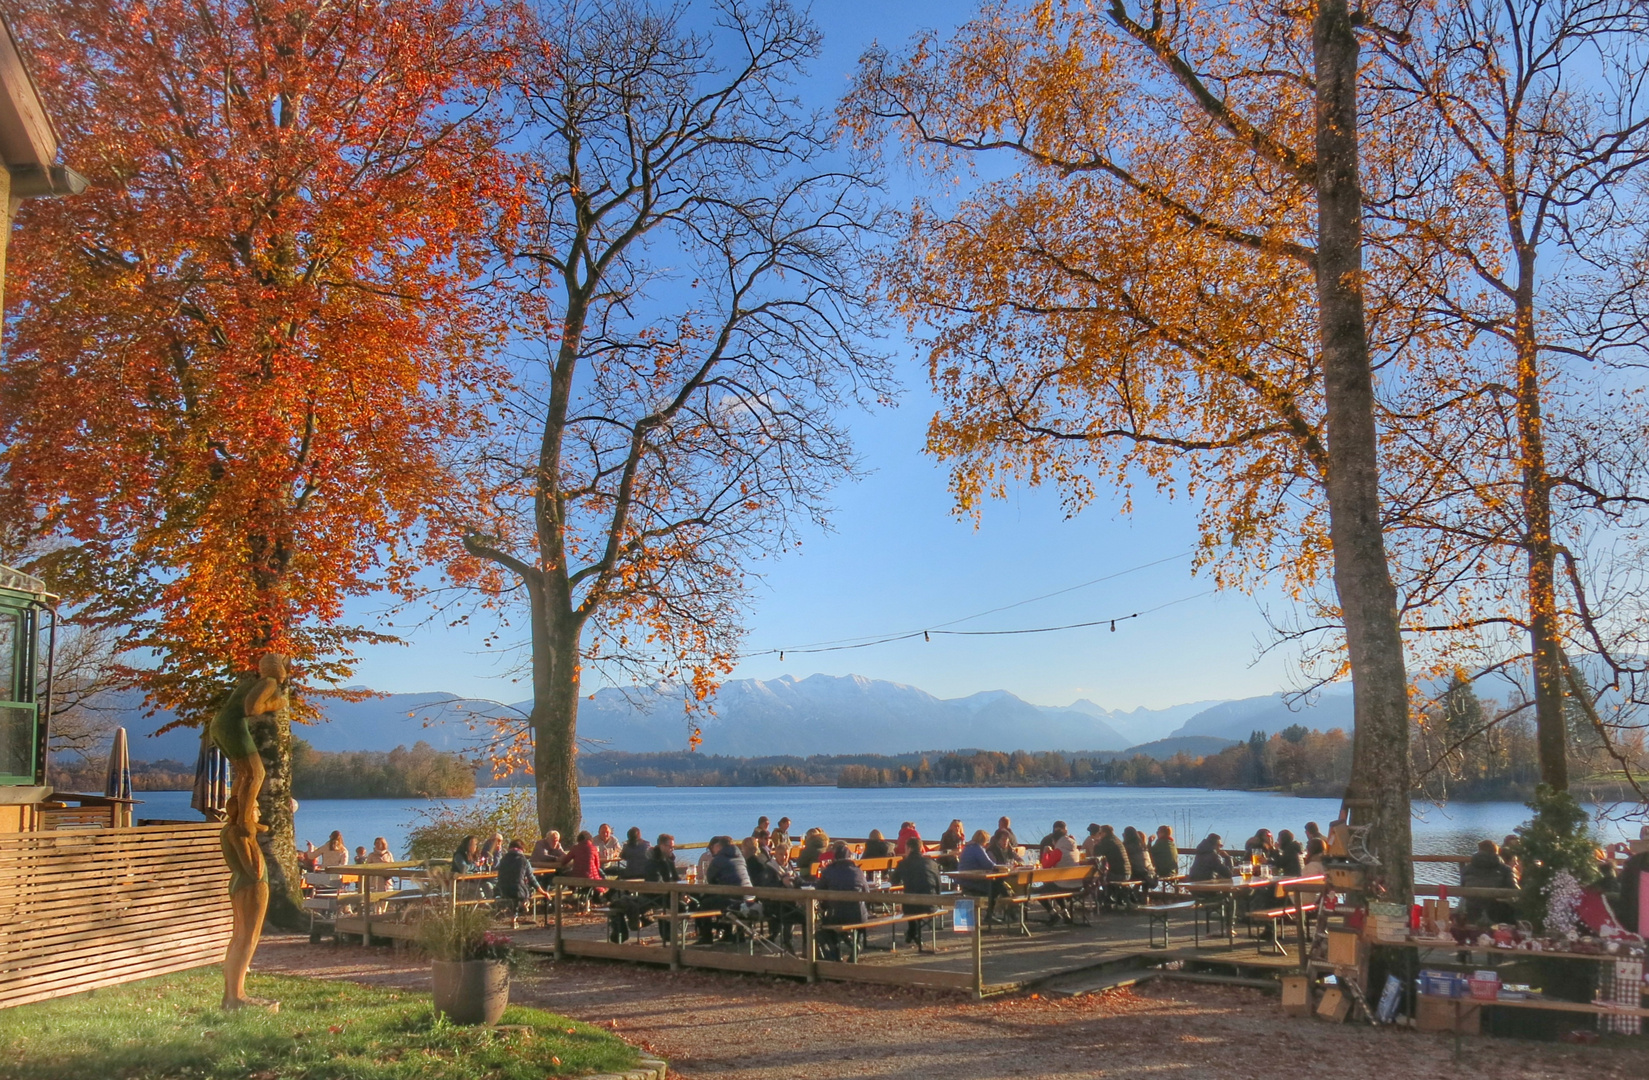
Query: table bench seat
892, 922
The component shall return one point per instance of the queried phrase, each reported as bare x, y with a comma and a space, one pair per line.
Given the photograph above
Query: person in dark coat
841, 874
727, 866
919, 876
1290, 855
515, 884
877, 847
1631, 886
1211, 861
1139, 863
1109, 848
632, 857
1487, 870
661, 866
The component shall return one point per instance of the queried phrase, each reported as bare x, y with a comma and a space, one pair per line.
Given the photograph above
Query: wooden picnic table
1228, 889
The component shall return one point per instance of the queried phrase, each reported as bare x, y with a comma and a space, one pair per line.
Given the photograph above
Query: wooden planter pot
471, 991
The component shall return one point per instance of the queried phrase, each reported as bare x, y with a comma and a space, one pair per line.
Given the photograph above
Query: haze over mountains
819, 714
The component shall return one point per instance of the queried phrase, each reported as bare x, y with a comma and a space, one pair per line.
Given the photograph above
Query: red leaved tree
235, 361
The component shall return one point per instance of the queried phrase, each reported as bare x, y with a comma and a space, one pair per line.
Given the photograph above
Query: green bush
436, 831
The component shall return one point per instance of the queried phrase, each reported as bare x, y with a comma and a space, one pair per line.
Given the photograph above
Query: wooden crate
1296, 995
1449, 1014
84, 909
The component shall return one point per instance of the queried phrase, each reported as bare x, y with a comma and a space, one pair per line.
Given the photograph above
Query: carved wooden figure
254, 695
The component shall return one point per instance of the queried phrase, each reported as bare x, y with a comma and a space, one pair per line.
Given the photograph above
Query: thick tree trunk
554, 720
1362, 575
273, 733
1544, 647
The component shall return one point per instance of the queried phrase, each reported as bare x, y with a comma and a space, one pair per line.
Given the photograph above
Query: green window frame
19, 710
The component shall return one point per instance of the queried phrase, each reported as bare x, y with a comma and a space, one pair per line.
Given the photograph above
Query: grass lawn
171, 1028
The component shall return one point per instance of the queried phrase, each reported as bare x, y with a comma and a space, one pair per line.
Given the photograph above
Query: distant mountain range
819, 714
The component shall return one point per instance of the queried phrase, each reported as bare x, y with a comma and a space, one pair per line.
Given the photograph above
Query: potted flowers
471, 965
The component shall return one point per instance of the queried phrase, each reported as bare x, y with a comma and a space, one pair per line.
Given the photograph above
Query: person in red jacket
583, 861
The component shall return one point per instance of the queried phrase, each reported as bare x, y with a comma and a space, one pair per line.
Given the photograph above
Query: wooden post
366, 910
560, 950
676, 927
810, 931
978, 952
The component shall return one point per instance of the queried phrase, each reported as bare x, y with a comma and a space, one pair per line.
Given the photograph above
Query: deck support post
676, 928
978, 954
810, 931
560, 949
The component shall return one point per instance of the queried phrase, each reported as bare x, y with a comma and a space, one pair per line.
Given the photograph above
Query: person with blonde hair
973, 864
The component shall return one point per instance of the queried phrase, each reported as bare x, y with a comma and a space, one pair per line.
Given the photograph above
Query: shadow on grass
171, 1028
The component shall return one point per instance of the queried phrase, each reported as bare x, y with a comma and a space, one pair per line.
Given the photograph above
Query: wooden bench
1158, 915
1062, 883
1270, 917
893, 922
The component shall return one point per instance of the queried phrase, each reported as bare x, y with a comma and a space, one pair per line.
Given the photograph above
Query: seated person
632, 858
583, 861
661, 866
841, 874
1090, 841
951, 844
491, 852
380, 852
1109, 847
877, 847
1487, 870
607, 846
1316, 857
548, 849
1139, 860
919, 875
1290, 856
975, 857
360, 855
1262, 845
1001, 848
515, 885
907, 829
332, 853
1165, 853
1211, 861
814, 847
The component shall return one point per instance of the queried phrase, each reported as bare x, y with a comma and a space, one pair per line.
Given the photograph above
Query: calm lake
695, 814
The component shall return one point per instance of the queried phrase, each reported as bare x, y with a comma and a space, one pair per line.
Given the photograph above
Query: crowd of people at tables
765, 859
769, 857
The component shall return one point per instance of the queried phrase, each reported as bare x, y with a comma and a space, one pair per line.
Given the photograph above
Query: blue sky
897, 559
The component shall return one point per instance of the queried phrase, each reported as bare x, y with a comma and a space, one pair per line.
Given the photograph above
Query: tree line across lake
1457, 753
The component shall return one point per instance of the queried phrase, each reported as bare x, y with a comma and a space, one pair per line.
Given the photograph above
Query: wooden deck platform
1115, 942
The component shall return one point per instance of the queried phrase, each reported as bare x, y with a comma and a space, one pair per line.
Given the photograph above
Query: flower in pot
471, 965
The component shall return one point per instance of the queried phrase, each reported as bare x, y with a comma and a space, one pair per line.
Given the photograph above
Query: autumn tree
1169, 290
235, 360
689, 318
1524, 216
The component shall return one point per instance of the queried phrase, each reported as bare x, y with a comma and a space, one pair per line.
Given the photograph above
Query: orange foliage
234, 361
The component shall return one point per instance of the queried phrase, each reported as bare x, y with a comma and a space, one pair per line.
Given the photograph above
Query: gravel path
715, 1026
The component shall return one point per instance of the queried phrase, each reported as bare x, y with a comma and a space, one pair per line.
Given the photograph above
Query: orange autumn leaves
234, 362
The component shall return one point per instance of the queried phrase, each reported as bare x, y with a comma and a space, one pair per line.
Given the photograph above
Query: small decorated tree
1557, 840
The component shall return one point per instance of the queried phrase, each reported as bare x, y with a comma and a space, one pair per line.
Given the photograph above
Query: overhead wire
866, 641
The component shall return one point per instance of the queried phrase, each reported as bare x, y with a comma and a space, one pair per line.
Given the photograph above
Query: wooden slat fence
84, 909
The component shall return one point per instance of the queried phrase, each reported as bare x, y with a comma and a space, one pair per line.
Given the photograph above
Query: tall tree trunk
273, 734
1544, 648
1362, 576
554, 720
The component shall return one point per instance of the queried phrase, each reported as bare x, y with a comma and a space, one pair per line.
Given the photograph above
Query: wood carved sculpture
254, 695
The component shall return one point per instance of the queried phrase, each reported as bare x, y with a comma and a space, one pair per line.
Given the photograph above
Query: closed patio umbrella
117, 782
211, 793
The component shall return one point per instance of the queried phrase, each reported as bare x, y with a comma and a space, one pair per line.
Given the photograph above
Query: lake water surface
695, 814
